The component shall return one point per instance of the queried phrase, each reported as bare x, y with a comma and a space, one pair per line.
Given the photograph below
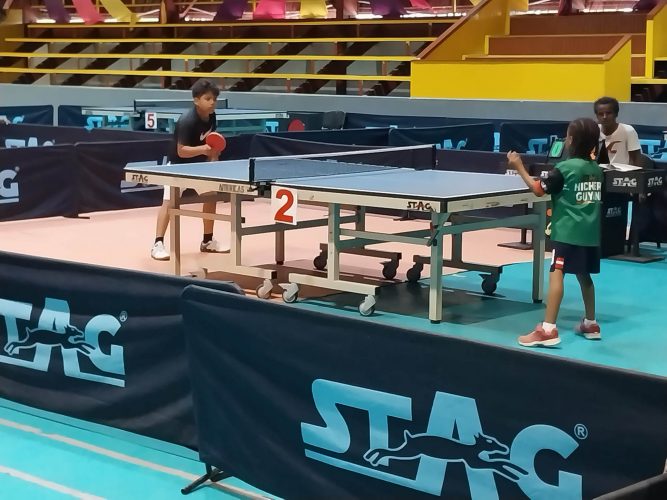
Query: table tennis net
345, 162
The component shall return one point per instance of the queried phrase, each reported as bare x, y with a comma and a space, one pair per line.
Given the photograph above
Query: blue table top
348, 177
408, 183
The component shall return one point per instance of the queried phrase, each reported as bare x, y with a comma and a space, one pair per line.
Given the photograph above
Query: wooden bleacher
303, 55
378, 52
244, 29
204, 10
607, 51
586, 35
576, 35
573, 44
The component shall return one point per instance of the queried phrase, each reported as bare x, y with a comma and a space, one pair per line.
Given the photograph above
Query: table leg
333, 242
280, 247
435, 281
235, 223
457, 247
360, 223
175, 229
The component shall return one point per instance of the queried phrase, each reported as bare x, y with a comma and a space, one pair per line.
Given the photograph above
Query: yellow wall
14, 16
468, 35
618, 73
539, 80
9, 31
656, 39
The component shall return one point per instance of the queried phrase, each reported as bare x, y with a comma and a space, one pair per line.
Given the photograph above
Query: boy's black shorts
575, 259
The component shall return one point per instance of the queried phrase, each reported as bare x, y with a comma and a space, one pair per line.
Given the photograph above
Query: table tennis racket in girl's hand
216, 141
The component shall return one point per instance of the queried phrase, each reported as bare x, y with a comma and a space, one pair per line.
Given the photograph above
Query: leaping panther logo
485, 453
72, 338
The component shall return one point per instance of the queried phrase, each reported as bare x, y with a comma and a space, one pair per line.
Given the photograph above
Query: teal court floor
45, 456
48, 456
631, 309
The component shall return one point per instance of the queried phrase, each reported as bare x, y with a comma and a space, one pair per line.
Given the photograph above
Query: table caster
414, 273
320, 262
367, 306
263, 291
389, 269
290, 292
489, 284
201, 274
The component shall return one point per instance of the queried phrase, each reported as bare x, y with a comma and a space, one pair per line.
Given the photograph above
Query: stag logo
138, 182
33, 336
73, 338
453, 434
9, 188
476, 455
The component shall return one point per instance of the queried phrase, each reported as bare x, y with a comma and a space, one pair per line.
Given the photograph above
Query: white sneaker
159, 252
213, 246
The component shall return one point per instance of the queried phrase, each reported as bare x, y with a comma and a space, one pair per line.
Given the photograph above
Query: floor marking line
60, 488
124, 458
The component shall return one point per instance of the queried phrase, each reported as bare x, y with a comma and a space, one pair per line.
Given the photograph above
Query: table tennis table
167, 112
444, 196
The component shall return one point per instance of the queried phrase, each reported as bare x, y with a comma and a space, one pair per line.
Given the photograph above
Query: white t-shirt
620, 143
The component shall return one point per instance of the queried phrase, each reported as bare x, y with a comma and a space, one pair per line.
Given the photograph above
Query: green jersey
575, 186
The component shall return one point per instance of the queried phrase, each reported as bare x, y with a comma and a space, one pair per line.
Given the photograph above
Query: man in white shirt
621, 140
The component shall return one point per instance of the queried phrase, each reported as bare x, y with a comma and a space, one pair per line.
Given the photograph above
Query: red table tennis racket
217, 141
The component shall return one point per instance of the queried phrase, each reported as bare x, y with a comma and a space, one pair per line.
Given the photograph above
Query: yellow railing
210, 40
212, 75
656, 36
202, 57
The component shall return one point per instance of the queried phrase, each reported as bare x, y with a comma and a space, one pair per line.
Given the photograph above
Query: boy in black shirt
189, 146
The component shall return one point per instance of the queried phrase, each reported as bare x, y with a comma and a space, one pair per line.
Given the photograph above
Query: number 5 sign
150, 120
283, 205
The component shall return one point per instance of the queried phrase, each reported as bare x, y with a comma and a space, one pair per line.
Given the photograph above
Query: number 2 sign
283, 205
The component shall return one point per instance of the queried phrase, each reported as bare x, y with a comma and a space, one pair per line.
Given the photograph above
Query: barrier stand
212, 474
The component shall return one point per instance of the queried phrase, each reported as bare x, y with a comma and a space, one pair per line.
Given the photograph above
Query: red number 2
281, 216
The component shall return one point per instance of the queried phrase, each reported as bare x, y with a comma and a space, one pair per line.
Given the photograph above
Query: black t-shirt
191, 131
